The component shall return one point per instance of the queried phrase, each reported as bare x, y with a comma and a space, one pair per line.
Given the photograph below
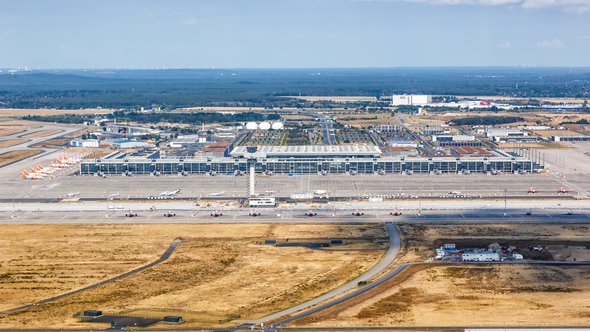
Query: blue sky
293, 33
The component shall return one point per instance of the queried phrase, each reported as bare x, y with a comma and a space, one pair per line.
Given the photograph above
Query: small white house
517, 256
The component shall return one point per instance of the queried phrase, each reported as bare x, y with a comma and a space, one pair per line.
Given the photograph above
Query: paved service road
164, 257
399, 269
394, 247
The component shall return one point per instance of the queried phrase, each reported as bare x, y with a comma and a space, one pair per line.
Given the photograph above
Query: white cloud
189, 21
553, 43
568, 6
505, 45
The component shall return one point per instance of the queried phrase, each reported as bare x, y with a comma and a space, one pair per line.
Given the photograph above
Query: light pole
505, 201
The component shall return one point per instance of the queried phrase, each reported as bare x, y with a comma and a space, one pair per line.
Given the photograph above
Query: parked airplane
253, 213
358, 213
563, 190
310, 213
216, 214
31, 176
58, 164
46, 170
170, 193
73, 194
130, 214
532, 190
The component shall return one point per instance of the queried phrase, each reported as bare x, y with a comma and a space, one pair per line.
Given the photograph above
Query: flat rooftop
307, 150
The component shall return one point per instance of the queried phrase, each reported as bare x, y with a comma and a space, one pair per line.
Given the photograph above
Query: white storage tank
277, 125
251, 126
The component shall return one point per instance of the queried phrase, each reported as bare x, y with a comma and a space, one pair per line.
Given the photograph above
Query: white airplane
31, 176
320, 192
46, 170
217, 194
58, 164
73, 194
170, 193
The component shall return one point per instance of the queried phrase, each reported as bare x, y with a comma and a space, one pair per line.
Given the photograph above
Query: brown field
54, 143
12, 127
366, 119
11, 142
543, 99
486, 295
41, 133
338, 99
219, 274
443, 294
13, 156
226, 109
531, 118
17, 112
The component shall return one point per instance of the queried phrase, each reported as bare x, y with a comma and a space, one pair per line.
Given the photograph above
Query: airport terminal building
292, 160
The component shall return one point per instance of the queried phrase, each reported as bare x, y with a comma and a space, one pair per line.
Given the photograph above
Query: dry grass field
18, 112
11, 127
41, 133
484, 295
13, 156
443, 294
220, 273
366, 120
337, 99
543, 99
11, 142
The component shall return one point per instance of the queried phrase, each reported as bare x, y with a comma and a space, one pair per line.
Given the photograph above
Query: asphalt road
394, 247
164, 257
399, 269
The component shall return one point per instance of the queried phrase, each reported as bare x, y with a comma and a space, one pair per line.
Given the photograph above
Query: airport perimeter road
394, 247
399, 269
164, 257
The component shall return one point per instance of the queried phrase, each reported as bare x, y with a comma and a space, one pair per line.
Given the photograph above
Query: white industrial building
411, 100
86, 143
452, 138
481, 256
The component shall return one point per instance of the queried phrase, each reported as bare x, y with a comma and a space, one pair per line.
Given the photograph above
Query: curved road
394, 247
164, 257
399, 269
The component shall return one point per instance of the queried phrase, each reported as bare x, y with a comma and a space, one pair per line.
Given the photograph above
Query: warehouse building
411, 100
481, 256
